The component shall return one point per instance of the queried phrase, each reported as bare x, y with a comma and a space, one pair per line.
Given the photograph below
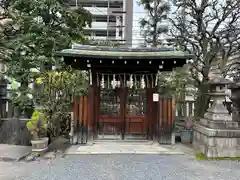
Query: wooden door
122, 114
110, 122
136, 125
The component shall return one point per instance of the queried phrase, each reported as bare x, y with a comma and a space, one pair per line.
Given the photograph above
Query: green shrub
37, 125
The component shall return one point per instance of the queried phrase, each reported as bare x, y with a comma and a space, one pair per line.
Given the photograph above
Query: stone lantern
235, 98
218, 111
217, 135
235, 87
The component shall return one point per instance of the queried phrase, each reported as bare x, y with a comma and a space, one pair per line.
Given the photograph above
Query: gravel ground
121, 167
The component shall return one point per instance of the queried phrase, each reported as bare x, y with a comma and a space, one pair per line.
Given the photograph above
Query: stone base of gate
124, 148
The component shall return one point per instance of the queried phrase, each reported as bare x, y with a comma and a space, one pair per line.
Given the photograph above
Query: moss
201, 156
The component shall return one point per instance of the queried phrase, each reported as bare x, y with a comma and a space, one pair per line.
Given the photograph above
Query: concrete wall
128, 21
107, 8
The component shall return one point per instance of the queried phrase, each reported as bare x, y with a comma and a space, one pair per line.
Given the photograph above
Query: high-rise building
112, 19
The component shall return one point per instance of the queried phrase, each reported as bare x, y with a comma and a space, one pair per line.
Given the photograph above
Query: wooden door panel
135, 125
123, 111
110, 125
135, 118
110, 121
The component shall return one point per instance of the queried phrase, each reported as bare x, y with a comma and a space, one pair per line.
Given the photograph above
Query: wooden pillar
123, 105
152, 112
95, 104
149, 112
155, 111
83, 120
97, 110
90, 112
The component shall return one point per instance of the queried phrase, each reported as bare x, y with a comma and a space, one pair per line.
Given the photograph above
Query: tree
41, 28
209, 30
152, 27
57, 91
175, 83
6, 27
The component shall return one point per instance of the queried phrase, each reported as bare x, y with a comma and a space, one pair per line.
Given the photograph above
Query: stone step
123, 142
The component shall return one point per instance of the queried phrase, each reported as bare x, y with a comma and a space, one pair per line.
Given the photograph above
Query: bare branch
207, 29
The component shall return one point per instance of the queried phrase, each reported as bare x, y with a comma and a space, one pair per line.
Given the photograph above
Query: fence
166, 120
184, 108
81, 120
7, 110
171, 116
187, 108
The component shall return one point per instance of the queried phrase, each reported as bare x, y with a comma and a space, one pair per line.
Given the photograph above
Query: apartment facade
112, 19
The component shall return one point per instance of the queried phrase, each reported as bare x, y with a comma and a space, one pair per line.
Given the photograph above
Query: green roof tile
123, 52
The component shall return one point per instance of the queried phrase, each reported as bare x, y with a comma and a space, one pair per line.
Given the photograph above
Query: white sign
155, 97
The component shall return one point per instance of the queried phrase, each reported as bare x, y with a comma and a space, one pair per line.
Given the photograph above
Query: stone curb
9, 159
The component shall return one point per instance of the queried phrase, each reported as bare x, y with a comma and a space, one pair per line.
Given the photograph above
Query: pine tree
157, 12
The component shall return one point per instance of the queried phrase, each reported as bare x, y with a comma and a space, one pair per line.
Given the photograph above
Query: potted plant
38, 128
187, 131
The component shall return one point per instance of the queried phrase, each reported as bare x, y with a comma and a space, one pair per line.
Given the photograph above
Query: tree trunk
23, 87
202, 100
154, 39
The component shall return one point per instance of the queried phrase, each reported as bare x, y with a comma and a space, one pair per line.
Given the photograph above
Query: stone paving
121, 167
124, 148
13, 152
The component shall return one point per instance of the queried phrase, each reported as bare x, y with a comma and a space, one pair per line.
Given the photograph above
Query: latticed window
136, 102
109, 103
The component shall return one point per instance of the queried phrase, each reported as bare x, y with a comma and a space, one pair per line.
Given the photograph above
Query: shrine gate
123, 102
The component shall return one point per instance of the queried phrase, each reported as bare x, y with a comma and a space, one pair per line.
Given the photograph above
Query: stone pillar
217, 135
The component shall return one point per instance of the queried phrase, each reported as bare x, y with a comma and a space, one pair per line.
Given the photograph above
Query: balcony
103, 10
102, 26
97, 10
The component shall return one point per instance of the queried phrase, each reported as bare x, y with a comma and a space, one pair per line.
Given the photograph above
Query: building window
102, 4
112, 34
101, 33
112, 18
87, 33
116, 5
72, 3
85, 4
120, 33
100, 18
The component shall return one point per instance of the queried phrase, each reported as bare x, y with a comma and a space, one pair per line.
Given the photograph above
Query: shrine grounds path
121, 167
